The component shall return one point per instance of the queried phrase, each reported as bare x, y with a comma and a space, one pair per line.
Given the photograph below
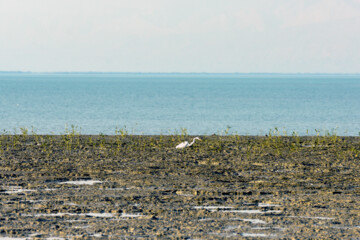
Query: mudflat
124, 187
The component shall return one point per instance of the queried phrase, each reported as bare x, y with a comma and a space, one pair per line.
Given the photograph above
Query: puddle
254, 221
268, 205
38, 235
10, 238
55, 238
98, 235
250, 211
116, 189
51, 214
131, 215
345, 227
17, 189
320, 218
82, 182
186, 195
80, 227
258, 235
268, 228
212, 207
209, 219
77, 220
71, 204
230, 228
225, 235
30, 237
102, 215
27, 201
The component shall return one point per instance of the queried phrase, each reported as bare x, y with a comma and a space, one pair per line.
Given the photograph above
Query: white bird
186, 143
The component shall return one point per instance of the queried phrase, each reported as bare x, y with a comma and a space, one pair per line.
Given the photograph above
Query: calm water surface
161, 103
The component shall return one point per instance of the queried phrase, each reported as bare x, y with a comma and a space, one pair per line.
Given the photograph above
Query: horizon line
240, 73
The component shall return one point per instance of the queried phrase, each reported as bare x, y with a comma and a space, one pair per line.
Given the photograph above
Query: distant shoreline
176, 73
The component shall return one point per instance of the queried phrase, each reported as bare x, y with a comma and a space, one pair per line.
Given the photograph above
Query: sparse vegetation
249, 147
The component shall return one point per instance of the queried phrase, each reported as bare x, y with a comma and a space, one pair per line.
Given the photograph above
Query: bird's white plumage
183, 144
186, 143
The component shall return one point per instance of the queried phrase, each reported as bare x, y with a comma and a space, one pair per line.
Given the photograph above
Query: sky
284, 36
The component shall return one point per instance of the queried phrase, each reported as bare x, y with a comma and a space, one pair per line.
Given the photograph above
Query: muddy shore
126, 187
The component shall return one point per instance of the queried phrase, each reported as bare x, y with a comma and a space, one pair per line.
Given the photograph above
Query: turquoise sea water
250, 104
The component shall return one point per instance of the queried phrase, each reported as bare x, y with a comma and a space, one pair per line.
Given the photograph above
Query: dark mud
125, 187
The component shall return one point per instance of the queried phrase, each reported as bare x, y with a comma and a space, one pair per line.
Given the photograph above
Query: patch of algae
111, 187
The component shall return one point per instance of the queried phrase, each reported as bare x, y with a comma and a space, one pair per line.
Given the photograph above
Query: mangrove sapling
90, 142
117, 144
176, 133
284, 133
43, 146
269, 139
138, 143
24, 133
102, 141
277, 141
3, 142
15, 139
152, 143
131, 143
220, 139
356, 153
75, 134
49, 145
248, 151
161, 141
184, 134
67, 142
296, 141
237, 140
316, 141
118, 139
172, 137
143, 144
124, 132
1, 145
227, 130
77, 142
35, 135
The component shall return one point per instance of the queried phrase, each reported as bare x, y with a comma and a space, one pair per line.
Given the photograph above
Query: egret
186, 143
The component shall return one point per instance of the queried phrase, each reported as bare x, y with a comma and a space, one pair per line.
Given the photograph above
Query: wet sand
126, 187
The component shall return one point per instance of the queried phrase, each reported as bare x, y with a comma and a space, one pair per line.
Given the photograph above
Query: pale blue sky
180, 35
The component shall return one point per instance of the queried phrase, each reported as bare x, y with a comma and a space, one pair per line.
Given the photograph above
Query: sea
179, 103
